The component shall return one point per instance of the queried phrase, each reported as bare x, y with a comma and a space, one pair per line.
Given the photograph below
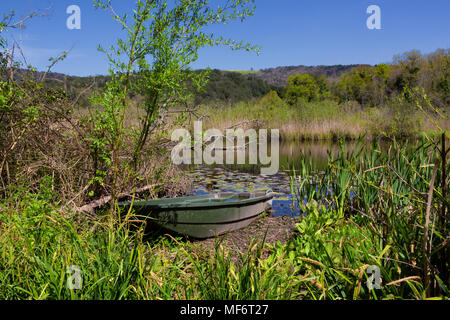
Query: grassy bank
380, 210
322, 120
39, 243
71, 149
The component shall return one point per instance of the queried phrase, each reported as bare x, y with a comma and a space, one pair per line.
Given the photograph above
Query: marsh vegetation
67, 156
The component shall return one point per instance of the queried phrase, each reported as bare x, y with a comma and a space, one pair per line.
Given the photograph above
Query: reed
373, 209
39, 242
318, 120
366, 209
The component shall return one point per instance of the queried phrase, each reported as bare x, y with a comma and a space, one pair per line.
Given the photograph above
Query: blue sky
291, 32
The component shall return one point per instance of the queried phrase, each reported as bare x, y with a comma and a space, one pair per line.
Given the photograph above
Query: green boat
203, 216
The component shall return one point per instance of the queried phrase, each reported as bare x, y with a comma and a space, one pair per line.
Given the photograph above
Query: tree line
380, 85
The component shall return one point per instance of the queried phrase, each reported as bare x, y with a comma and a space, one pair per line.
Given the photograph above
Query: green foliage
408, 68
271, 100
405, 121
301, 87
154, 59
332, 254
249, 278
381, 85
39, 245
221, 87
369, 210
383, 70
357, 85
268, 105
231, 87
322, 83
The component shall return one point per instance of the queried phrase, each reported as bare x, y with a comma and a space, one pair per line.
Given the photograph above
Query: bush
301, 87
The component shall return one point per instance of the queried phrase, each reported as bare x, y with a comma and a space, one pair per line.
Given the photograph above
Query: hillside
224, 86
278, 76
232, 86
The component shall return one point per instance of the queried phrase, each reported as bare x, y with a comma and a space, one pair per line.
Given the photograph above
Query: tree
154, 59
436, 77
352, 85
380, 79
322, 84
364, 84
301, 86
407, 70
382, 71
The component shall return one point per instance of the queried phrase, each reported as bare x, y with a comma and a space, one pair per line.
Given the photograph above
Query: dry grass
323, 120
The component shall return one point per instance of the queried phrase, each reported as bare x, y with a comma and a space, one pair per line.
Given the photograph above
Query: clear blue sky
291, 32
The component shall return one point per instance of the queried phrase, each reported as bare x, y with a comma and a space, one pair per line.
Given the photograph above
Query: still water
247, 178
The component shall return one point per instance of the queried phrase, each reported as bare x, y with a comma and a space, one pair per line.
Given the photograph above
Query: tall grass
317, 120
373, 209
377, 208
250, 278
39, 242
38, 245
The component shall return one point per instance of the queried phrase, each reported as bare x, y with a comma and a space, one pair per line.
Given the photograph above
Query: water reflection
247, 178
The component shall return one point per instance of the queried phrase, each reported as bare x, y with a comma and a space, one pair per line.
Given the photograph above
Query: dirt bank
269, 228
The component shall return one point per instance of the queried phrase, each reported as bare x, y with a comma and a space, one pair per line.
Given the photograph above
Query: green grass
39, 242
319, 120
382, 224
371, 210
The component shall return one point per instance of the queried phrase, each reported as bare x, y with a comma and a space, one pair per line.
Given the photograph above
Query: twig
404, 279
90, 207
425, 231
82, 92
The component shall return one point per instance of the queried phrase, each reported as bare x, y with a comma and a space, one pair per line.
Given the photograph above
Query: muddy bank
268, 228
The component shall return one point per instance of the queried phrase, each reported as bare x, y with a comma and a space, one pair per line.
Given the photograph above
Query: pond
245, 178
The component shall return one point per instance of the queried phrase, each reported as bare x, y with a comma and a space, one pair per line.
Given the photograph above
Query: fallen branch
96, 204
412, 278
256, 121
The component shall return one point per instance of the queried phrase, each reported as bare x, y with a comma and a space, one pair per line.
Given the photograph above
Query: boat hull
204, 216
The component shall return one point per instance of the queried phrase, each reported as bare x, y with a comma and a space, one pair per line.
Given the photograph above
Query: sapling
154, 58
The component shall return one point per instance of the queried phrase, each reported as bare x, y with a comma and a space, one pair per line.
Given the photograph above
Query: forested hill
223, 86
278, 76
228, 86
